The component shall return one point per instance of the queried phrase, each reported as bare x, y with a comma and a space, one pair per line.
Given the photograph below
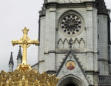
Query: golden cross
25, 42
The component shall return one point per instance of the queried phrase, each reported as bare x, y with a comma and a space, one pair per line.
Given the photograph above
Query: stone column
50, 38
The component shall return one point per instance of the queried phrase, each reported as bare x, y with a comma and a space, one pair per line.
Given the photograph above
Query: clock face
71, 24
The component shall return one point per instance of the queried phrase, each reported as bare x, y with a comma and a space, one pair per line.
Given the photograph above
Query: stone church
74, 40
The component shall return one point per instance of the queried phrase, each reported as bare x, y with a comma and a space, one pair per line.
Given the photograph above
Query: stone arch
70, 12
70, 80
82, 43
76, 44
66, 44
60, 43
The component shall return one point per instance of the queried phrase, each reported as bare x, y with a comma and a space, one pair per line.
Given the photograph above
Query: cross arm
33, 42
16, 42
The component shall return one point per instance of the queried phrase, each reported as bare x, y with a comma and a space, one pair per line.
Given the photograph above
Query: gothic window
71, 23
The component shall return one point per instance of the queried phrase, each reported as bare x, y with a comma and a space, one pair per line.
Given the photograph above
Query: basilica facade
74, 40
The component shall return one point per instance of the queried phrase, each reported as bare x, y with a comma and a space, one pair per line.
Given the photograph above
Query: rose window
71, 24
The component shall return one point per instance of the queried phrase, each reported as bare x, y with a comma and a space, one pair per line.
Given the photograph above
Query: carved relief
71, 43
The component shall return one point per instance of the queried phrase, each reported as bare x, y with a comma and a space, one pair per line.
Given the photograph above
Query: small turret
19, 56
11, 63
101, 6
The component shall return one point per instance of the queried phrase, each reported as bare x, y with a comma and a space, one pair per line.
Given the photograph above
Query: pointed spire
19, 56
11, 59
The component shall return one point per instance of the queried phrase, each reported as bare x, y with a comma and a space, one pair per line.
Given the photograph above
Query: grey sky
14, 16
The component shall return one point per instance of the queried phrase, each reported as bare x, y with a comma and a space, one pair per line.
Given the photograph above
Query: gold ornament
29, 77
25, 42
24, 75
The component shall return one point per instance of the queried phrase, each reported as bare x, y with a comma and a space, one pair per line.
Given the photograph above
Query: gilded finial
25, 30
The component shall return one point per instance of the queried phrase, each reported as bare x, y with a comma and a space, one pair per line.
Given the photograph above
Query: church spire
11, 59
11, 63
19, 56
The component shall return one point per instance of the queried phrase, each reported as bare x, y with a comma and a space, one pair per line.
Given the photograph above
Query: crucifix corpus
25, 42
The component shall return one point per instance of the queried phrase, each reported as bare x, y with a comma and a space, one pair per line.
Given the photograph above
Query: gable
71, 65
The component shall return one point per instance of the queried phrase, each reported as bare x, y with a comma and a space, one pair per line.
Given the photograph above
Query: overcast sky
14, 16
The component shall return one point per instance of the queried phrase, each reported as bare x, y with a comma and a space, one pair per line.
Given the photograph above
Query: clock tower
74, 39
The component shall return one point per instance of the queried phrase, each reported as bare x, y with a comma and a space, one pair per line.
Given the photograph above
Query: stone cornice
65, 51
69, 5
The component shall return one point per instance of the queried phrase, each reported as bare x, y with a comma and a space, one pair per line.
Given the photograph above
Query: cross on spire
25, 42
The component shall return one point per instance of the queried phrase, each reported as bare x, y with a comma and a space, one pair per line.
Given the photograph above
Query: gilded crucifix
25, 42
